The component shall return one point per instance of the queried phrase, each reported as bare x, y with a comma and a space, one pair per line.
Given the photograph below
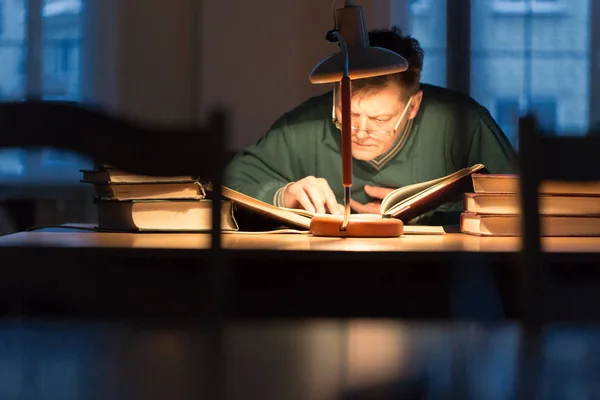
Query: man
404, 132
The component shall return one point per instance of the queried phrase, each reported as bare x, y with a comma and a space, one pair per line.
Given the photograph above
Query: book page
424, 230
395, 204
285, 215
405, 192
300, 211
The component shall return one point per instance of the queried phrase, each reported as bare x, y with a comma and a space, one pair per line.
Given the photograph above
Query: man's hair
409, 48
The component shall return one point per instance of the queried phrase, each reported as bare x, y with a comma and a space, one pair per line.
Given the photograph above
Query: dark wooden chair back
152, 150
541, 158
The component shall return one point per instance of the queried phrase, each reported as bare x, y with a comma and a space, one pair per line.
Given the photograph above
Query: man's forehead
389, 90
383, 100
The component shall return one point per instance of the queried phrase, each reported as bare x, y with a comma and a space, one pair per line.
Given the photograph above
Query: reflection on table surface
370, 359
407, 243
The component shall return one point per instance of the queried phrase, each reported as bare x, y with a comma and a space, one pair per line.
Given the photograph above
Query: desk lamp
356, 60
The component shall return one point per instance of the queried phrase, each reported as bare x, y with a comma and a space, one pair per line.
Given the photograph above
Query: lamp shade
363, 62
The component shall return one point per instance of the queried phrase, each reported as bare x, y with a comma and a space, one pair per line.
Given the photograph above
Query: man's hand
312, 194
372, 207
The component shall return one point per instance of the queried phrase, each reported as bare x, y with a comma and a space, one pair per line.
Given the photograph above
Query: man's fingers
331, 201
356, 206
304, 201
377, 192
315, 192
332, 204
315, 195
372, 207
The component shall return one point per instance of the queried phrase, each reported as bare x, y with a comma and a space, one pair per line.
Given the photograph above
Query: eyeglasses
374, 133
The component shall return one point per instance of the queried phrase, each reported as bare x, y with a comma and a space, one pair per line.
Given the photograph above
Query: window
532, 58
40, 49
428, 25
538, 56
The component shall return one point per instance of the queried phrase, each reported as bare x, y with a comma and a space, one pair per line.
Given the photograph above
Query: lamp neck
344, 48
352, 25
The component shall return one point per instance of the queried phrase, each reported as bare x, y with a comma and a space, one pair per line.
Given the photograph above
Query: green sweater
451, 131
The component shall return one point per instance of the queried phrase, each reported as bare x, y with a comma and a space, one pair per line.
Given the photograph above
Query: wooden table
443, 244
120, 274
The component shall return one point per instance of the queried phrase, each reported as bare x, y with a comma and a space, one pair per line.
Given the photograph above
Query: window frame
34, 50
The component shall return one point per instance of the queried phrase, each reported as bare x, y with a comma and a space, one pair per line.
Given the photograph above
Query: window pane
427, 24
12, 49
61, 36
537, 54
62, 26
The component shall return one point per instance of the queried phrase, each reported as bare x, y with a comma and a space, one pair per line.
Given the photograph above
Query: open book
404, 203
409, 202
300, 219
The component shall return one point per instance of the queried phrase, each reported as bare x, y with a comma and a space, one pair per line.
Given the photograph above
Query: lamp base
358, 226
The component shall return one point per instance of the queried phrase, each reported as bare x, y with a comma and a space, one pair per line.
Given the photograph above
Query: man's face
377, 119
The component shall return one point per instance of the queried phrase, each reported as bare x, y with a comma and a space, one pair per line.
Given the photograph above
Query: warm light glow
377, 353
363, 63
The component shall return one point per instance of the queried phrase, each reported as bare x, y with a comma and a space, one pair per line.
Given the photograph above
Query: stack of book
132, 202
565, 208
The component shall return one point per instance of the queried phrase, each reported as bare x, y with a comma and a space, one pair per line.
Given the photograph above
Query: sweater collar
381, 160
